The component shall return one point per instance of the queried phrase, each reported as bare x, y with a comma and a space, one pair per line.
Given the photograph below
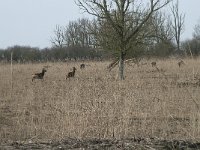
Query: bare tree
162, 27
178, 23
126, 18
77, 33
196, 33
59, 38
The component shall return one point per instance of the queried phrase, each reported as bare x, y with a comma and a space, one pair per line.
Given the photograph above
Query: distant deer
82, 66
180, 63
39, 75
153, 64
71, 74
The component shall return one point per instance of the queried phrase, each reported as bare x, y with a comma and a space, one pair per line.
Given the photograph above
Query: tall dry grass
160, 103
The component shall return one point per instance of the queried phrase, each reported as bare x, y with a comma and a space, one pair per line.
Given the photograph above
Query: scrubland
161, 103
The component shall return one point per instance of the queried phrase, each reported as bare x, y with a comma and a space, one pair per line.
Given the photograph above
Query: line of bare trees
25, 54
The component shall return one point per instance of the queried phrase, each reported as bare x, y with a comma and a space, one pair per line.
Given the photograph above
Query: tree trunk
178, 45
121, 66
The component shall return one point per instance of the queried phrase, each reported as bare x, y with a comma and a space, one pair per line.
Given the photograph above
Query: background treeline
87, 39
24, 54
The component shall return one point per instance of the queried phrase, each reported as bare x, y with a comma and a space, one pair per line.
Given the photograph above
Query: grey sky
31, 22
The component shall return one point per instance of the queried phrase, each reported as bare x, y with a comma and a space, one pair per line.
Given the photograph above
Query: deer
82, 66
180, 63
153, 64
39, 75
71, 74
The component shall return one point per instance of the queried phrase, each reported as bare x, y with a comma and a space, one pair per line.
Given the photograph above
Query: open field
149, 103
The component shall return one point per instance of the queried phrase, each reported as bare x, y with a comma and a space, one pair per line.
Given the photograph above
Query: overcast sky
31, 22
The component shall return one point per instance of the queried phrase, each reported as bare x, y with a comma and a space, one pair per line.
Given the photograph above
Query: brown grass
160, 103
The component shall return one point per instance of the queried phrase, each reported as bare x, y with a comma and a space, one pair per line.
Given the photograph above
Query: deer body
180, 63
71, 74
38, 75
153, 64
82, 66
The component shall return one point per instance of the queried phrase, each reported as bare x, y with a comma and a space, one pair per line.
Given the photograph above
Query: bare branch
178, 24
58, 40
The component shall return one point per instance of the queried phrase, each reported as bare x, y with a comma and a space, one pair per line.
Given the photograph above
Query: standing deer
153, 64
39, 75
71, 74
82, 66
180, 63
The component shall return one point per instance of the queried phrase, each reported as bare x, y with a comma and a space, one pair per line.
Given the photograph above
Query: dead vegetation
95, 105
111, 144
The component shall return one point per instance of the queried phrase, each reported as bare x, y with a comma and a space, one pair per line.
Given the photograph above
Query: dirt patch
104, 144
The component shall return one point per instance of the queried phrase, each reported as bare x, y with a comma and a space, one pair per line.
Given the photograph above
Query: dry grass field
160, 103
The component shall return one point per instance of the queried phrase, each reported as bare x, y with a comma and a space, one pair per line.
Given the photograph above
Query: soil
99, 144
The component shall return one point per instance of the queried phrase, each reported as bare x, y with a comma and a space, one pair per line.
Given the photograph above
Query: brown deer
71, 74
39, 75
180, 63
153, 64
82, 66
